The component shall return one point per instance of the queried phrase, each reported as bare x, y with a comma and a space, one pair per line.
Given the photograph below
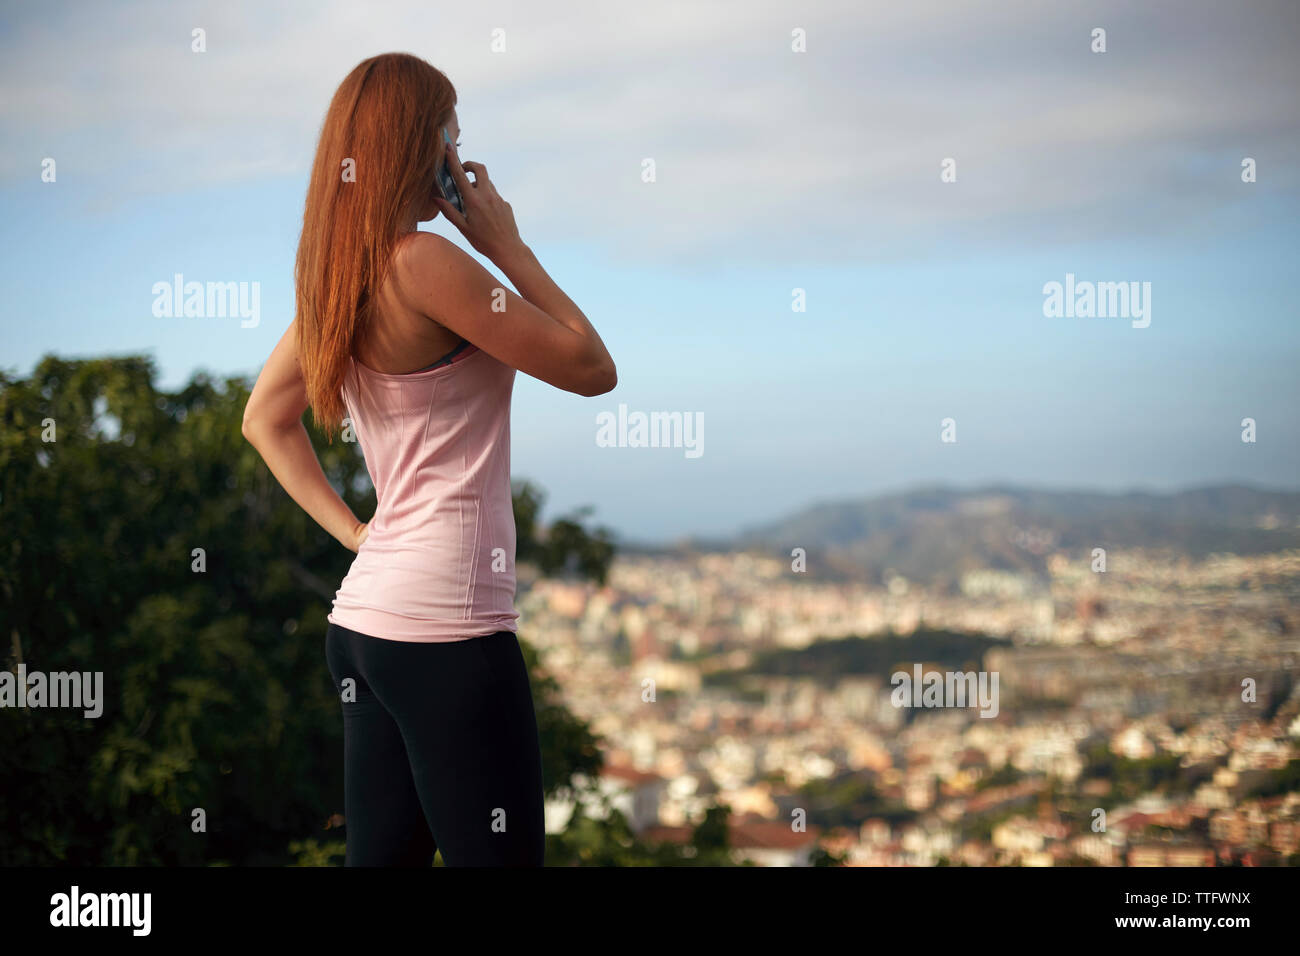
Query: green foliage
564, 548
216, 693
1285, 779
314, 853
1130, 777
824, 857
847, 800
605, 838
881, 655
569, 747
1004, 776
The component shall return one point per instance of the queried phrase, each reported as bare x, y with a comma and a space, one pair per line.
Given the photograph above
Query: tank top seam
471, 584
424, 438
498, 450
465, 570
401, 416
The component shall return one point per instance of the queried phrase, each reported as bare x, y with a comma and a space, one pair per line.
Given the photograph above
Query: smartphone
445, 183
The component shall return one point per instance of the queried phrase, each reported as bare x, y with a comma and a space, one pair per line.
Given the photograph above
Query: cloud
832, 151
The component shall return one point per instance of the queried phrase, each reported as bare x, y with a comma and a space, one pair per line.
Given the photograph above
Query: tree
147, 542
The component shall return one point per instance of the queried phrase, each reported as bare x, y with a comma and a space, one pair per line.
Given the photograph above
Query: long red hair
384, 125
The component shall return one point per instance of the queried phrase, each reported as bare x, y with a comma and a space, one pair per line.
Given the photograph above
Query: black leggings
440, 751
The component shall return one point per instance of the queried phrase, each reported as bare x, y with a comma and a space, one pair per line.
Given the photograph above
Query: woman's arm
273, 425
539, 331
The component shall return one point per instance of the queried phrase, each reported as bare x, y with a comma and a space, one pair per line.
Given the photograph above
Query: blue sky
775, 170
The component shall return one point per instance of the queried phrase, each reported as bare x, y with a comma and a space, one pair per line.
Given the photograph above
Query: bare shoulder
423, 261
418, 259
419, 250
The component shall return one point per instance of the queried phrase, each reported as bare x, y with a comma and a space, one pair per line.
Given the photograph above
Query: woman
418, 345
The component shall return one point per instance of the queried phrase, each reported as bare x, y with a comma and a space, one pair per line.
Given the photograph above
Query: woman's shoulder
417, 259
417, 247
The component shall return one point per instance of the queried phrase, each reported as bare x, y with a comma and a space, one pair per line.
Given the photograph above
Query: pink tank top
439, 561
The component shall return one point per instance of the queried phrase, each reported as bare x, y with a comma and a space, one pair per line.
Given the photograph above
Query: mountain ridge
938, 532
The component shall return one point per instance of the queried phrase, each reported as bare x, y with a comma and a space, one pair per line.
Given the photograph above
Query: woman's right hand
488, 222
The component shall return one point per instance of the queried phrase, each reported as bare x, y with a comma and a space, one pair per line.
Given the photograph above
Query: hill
935, 534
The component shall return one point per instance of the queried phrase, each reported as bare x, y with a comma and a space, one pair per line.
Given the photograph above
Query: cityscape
1148, 713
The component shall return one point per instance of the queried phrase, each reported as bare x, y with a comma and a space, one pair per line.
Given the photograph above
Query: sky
775, 169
